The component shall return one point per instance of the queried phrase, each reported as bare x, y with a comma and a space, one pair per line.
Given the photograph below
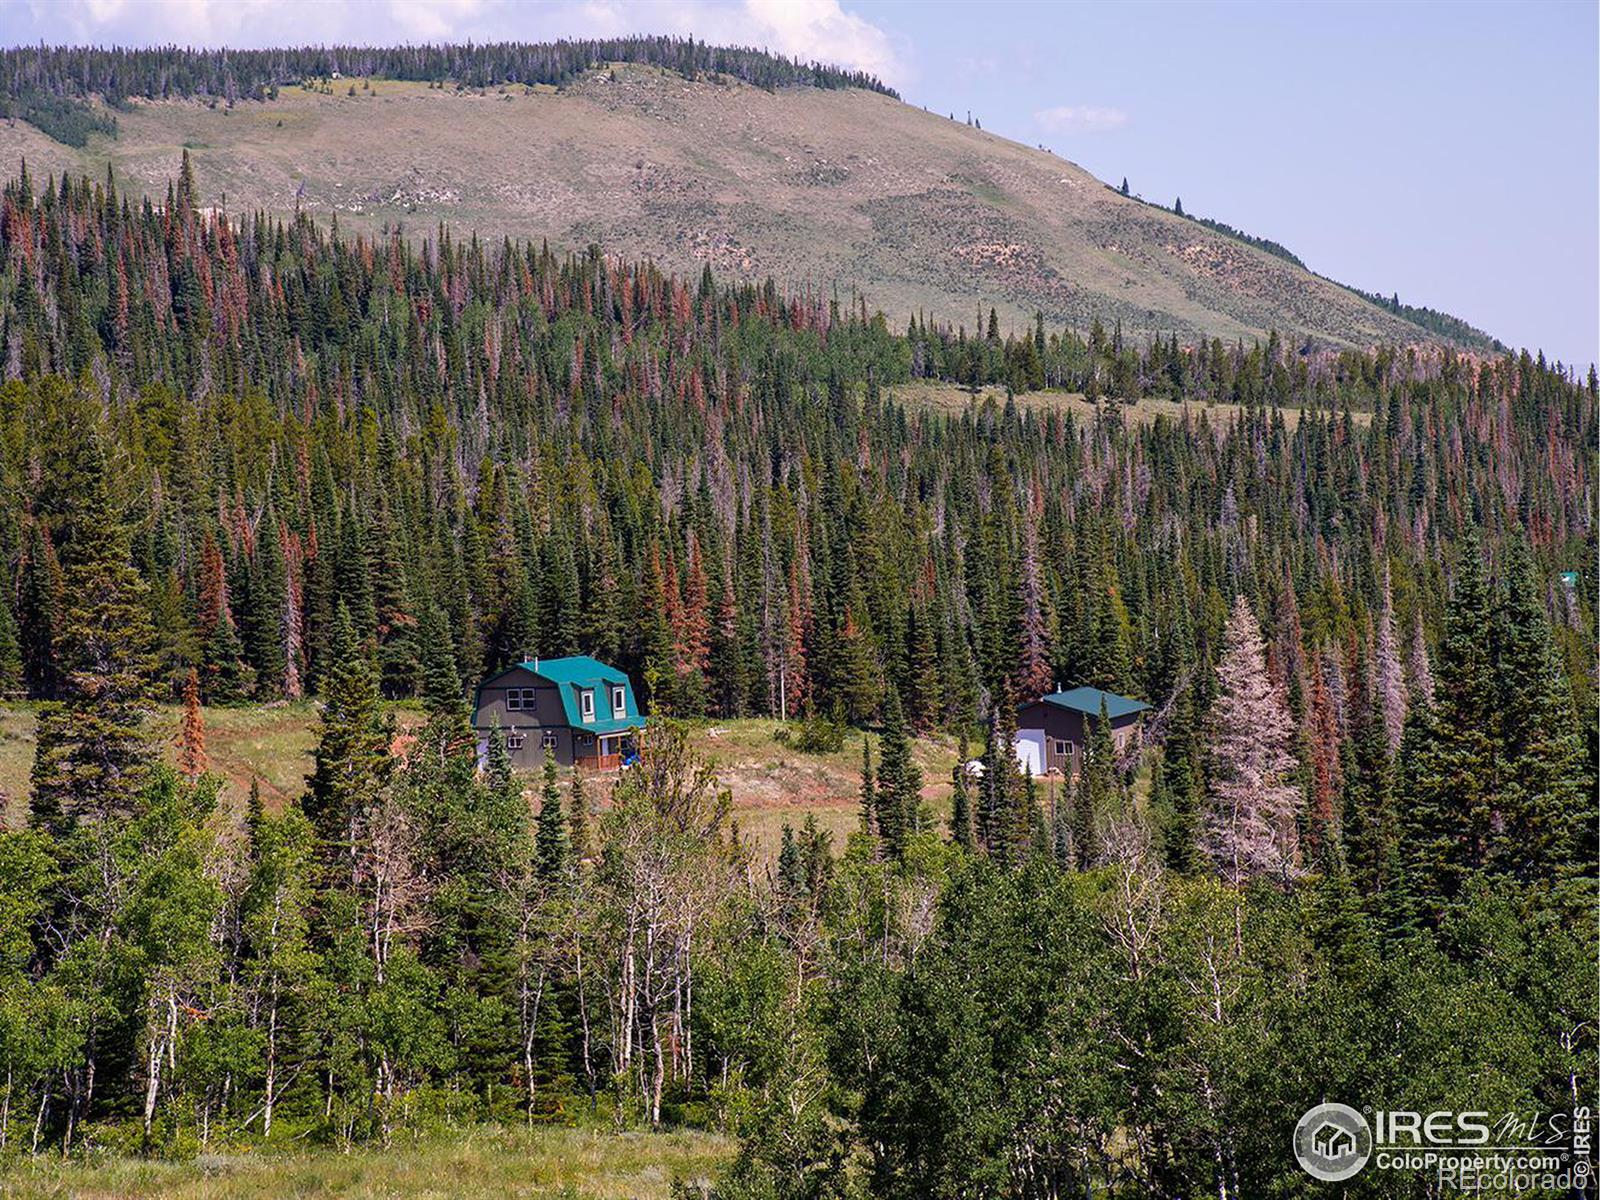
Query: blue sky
1447, 152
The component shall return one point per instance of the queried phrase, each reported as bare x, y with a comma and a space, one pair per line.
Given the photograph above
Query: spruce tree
867, 797
1179, 792
266, 598
1448, 809
579, 840
1098, 793
961, 832
1541, 813
1004, 824
39, 607
550, 838
226, 678
93, 751
11, 675
439, 683
1369, 823
351, 764
898, 795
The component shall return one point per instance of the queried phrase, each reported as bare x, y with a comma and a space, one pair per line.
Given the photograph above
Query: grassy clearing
771, 782
480, 1163
272, 743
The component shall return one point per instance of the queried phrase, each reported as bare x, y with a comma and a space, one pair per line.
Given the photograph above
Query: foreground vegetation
251, 463
484, 1161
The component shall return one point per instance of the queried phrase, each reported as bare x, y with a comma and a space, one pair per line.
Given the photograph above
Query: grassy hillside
771, 783
843, 189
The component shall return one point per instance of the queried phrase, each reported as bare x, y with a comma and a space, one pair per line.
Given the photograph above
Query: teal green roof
572, 675
1089, 700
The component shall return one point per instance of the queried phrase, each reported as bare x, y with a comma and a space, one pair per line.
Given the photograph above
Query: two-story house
577, 708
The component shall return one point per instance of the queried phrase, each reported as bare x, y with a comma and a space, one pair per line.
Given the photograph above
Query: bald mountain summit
688, 155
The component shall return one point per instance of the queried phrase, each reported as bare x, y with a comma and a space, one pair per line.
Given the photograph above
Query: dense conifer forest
243, 459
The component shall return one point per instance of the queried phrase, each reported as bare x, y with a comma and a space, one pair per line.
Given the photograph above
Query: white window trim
548, 742
619, 700
586, 703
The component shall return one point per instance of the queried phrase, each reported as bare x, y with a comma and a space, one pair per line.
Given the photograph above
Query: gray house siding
525, 726
529, 709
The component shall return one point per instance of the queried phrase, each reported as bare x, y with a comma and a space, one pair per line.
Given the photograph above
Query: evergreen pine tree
579, 839
11, 674
1179, 796
266, 597
1541, 812
92, 750
550, 838
961, 832
899, 781
1369, 822
868, 794
1097, 794
1448, 808
1004, 825
351, 764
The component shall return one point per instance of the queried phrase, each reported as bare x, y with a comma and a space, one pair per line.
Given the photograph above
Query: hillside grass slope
837, 190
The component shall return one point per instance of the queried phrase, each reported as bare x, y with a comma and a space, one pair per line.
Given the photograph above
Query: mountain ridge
830, 188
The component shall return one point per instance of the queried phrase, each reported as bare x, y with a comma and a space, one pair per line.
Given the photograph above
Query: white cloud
1080, 118
432, 20
821, 30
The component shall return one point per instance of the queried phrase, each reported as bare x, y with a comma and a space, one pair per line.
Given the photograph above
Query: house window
549, 739
586, 703
619, 700
1058, 747
514, 741
518, 699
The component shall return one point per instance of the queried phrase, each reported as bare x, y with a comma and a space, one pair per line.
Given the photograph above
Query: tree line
117, 74
250, 459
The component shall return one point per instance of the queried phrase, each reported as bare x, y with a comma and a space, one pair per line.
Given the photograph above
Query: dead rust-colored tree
192, 761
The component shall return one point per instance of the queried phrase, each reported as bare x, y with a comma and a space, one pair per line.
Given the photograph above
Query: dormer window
586, 703
619, 700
